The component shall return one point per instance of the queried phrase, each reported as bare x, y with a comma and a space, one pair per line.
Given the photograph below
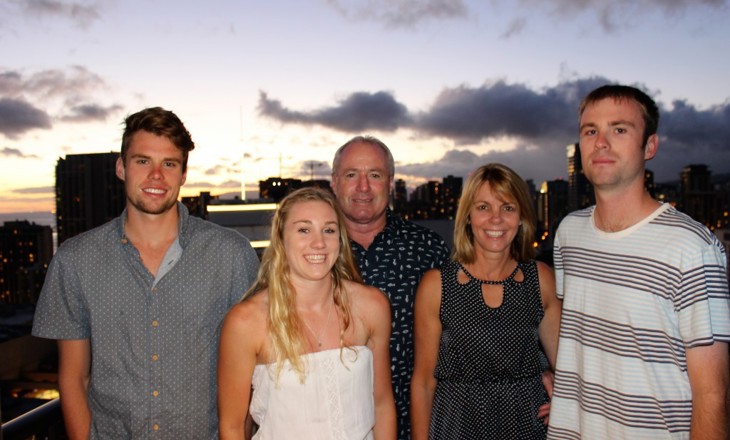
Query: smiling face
611, 144
494, 221
311, 240
152, 173
362, 183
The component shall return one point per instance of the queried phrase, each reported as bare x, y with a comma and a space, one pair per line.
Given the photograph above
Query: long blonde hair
288, 336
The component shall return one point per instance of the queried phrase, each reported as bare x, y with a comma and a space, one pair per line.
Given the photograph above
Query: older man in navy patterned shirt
392, 253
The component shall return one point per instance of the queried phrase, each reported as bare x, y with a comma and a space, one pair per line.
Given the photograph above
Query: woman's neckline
491, 282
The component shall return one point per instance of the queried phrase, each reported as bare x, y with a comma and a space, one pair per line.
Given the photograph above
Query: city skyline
273, 88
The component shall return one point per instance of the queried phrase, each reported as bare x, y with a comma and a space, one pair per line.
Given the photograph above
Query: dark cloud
35, 100
611, 15
44, 190
618, 14
360, 111
14, 152
18, 116
314, 169
400, 13
495, 110
11, 83
515, 27
82, 14
90, 112
72, 84
541, 122
538, 164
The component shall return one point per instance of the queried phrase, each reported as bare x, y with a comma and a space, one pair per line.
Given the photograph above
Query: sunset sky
271, 88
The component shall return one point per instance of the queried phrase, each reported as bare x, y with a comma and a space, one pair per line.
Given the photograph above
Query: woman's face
311, 240
494, 221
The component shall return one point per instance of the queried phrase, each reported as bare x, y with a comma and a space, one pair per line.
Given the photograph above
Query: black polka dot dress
488, 369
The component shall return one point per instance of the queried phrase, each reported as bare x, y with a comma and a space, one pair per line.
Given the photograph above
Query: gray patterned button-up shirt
394, 263
153, 343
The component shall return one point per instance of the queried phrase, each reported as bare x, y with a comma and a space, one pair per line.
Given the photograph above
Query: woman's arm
377, 317
548, 331
550, 324
237, 355
427, 336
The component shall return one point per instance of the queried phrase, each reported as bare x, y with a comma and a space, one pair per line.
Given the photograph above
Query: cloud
611, 15
230, 184
90, 112
82, 14
212, 186
359, 111
35, 100
527, 161
71, 85
313, 169
615, 15
44, 190
515, 27
400, 13
18, 116
541, 123
14, 152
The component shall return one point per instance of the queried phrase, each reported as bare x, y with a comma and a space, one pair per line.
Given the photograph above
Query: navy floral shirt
394, 263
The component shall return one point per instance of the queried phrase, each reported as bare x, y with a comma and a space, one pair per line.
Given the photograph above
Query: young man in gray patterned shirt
136, 304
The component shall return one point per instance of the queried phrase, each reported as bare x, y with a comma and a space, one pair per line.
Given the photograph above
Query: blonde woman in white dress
305, 354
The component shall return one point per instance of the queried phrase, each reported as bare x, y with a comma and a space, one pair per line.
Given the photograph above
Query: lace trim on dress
336, 420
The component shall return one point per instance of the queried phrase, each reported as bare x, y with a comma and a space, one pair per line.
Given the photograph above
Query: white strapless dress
335, 402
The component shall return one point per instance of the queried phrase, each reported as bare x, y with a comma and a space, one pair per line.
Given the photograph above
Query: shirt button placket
154, 360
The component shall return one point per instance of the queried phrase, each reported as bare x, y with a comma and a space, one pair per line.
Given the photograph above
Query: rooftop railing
43, 422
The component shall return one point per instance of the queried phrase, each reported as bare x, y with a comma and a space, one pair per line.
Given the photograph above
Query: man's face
611, 136
362, 183
153, 173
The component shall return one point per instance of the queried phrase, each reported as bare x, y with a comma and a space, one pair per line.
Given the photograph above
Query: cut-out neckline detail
490, 282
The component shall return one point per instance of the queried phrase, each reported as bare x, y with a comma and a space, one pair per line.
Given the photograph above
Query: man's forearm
710, 418
76, 413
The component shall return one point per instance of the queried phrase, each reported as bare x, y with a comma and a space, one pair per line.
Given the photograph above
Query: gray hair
372, 140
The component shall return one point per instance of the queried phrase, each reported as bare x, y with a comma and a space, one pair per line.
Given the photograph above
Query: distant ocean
44, 218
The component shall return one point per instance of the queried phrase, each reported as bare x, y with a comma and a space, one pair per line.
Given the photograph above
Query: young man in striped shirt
643, 349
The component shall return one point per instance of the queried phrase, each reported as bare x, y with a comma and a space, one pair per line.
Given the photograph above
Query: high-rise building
25, 252
697, 198
552, 204
580, 191
88, 193
400, 196
451, 194
427, 201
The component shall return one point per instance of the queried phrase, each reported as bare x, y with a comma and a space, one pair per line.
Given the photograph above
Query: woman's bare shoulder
365, 296
251, 312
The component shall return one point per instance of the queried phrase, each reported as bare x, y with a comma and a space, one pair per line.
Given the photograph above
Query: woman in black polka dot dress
480, 321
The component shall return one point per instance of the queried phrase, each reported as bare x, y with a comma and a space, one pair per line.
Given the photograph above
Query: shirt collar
183, 217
